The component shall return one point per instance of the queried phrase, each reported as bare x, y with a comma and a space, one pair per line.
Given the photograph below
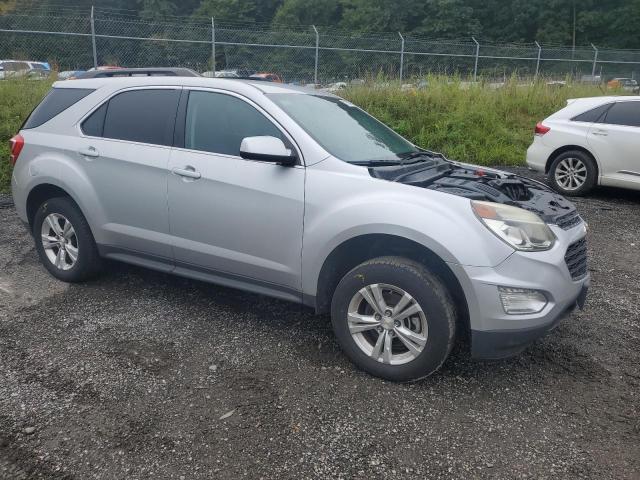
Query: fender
59, 170
358, 204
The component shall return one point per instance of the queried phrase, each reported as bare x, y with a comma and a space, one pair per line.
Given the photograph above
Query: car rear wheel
573, 173
64, 241
394, 319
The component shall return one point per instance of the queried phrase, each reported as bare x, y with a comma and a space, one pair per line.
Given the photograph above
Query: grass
17, 99
471, 123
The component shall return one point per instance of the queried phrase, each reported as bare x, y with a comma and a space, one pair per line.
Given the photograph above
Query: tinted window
56, 101
217, 123
624, 113
593, 115
94, 124
144, 116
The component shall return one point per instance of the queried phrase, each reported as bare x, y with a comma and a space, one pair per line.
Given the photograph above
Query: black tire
425, 288
591, 170
88, 263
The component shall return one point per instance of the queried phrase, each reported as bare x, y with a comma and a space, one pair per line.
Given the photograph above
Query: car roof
576, 106
220, 82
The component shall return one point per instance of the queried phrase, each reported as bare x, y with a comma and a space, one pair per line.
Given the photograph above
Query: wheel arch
568, 148
356, 250
41, 193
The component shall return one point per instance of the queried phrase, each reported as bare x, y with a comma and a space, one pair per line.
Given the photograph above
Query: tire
573, 173
435, 326
71, 237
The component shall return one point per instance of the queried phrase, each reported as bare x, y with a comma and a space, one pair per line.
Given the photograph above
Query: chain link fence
74, 39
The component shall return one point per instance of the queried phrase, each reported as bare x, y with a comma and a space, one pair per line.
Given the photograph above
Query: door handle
89, 152
601, 133
188, 171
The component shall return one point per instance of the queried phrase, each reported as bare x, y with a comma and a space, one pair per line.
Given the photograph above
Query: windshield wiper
377, 163
405, 159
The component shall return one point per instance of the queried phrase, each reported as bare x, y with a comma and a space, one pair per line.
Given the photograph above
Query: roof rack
140, 72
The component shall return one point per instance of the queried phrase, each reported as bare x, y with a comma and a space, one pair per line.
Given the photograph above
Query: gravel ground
144, 375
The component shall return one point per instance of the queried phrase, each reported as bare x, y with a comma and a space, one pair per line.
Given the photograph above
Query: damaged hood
435, 172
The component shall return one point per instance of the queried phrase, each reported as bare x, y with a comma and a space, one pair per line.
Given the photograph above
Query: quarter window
56, 101
624, 113
594, 115
217, 123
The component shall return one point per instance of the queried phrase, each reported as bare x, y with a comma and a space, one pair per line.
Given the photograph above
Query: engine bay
478, 183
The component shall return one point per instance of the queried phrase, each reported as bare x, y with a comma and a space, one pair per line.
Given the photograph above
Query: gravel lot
144, 375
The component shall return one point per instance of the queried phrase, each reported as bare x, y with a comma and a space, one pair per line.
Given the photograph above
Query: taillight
541, 129
16, 144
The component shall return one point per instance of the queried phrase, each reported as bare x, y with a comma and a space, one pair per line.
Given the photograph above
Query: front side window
624, 113
217, 123
342, 129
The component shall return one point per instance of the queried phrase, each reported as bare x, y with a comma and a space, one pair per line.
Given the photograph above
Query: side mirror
267, 149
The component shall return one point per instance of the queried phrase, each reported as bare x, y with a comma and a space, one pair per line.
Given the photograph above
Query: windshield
342, 129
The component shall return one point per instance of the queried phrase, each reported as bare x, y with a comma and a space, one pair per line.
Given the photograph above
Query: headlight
520, 228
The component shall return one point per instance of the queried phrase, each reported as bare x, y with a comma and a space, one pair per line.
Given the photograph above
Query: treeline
606, 23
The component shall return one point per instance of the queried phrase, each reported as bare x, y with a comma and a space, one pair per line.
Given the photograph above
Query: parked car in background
301, 195
336, 87
592, 141
271, 77
625, 84
24, 68
224, 74
70, 74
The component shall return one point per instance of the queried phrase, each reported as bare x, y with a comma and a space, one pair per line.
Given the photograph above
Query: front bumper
496, 334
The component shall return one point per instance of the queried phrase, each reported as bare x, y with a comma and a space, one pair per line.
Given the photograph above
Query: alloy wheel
59, 241
571, 173
387, 324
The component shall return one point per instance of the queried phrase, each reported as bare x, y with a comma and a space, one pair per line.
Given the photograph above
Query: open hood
478, 183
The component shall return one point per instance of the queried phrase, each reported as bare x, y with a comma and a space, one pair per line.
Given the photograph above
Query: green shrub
17, 99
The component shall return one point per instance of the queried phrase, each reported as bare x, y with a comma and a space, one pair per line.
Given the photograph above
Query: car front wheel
394, 319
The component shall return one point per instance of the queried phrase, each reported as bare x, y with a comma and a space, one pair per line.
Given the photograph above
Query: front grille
576, 259
568, 220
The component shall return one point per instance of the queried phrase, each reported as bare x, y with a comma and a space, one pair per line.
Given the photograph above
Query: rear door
125, 147
230, 217
616, 142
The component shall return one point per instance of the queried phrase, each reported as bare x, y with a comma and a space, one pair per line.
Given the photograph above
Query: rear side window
624, 113
217, 123
145, 116
594, 115
56, 101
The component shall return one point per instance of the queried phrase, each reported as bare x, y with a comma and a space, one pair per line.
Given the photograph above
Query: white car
592, 141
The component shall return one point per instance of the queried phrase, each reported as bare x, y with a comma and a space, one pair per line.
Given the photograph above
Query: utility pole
573, 49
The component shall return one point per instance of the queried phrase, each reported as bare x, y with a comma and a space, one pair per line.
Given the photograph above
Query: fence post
401, 56
315, 68
213, 47
595, 61
93, 40
538, 60
475, 68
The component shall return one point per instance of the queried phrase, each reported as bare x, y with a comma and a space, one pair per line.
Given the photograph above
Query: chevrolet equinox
303, 196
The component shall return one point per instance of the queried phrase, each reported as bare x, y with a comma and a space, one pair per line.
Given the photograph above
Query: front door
234, 218
616, 142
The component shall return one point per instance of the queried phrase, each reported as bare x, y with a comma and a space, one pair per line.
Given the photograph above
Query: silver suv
299, 195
